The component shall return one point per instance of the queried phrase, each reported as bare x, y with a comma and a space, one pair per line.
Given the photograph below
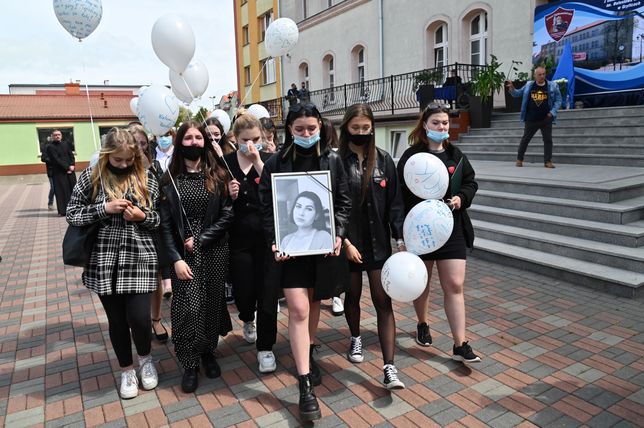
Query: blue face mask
306, 143
437, 136
164, 142
244, 148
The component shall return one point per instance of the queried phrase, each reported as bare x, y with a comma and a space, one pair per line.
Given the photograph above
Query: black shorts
366, 265
454, 248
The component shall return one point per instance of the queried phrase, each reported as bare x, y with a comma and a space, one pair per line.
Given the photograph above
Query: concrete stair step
606, 192
598, 139
566, 158
579, 121
620, 282
537, 147
622, 212
629, 235
631, 259
562, 130
601, 113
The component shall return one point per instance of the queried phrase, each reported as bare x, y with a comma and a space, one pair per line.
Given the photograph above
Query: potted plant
487, 81
426, 81
513, 104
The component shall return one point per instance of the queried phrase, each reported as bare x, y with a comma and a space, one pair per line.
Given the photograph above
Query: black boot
316, 375
210, 365
309, 407
190, 380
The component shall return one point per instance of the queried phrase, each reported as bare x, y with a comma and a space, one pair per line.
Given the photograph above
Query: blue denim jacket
554, 98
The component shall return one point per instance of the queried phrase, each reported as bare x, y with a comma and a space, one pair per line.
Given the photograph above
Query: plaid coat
125, 249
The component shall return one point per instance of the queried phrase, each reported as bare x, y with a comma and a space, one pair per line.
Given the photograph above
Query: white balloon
404, 277
281, 37
141, 90
426, 176
133, 105
191, 83
173, 41
223, 118
258, 110
158, 109
427, 226
79, 17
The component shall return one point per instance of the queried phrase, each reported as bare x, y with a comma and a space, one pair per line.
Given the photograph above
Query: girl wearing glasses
306, 279
376, 214
431, 135
196, 213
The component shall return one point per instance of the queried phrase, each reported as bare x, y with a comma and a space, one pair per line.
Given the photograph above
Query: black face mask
120, 171
360, 139
192, 153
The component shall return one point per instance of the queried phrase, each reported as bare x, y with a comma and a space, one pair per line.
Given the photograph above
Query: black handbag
78, 244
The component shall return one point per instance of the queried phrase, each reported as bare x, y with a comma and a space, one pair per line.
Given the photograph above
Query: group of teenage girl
178, 218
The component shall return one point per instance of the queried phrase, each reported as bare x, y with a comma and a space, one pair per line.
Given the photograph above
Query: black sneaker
423, 338
391, 377
465, 354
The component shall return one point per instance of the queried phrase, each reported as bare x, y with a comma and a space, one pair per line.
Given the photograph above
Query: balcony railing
393, 94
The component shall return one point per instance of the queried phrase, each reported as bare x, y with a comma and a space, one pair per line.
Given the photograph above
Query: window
264, 21
360, 64
247, 80
398, 143
329, 76
44, 135
245, 39
478, 39
268, 75
304, 73
440, 46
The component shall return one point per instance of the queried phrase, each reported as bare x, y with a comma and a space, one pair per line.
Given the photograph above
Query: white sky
36, 49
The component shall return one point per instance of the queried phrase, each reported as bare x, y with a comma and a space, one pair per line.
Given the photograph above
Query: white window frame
480, 37
269, 76
442, 47
397, 144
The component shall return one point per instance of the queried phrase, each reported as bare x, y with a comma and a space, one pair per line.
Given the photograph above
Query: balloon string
212, 137
89, 107
250, 90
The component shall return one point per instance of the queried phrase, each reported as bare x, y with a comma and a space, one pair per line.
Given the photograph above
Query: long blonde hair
116, 187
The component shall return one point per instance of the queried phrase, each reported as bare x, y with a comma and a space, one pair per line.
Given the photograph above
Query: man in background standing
305, 95
292, 95
61, 157
45, 159
541, 100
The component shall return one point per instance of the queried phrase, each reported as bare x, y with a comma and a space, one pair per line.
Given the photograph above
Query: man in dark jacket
61, 157
45, 159
292, 95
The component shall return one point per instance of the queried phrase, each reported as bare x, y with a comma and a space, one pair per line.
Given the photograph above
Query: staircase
582, 222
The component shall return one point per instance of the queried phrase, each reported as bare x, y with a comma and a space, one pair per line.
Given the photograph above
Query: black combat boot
316, 375
309, 407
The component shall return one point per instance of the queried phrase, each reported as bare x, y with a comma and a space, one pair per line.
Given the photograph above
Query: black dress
199, 313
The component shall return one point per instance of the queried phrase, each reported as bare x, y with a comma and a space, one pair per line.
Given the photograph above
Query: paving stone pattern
554, 354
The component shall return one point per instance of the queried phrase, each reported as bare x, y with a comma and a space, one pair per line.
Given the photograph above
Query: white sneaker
250, 333
266, 361
338, 307
148, 373
129, 384
355, 351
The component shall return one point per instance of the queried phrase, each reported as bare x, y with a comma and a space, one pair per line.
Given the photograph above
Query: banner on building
605, 37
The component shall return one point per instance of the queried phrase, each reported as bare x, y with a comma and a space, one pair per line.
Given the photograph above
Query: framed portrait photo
303, 213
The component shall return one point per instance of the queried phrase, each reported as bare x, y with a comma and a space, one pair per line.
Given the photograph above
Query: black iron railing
395, 93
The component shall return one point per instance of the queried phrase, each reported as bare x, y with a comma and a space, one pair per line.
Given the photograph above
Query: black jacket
468, 186
329, 161
384, 203
218, 218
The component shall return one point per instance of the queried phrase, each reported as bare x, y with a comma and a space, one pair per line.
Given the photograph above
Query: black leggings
127, 312
384, 312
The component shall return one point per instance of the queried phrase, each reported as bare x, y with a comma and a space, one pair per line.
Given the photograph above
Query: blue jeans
50, 199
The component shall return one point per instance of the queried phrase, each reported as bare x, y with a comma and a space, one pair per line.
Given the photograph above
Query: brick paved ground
554, 354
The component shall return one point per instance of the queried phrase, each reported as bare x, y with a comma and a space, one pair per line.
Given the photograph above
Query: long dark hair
226, 147
331, 135
418, 137
353, 111
295, 112
216, 178
319, 222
